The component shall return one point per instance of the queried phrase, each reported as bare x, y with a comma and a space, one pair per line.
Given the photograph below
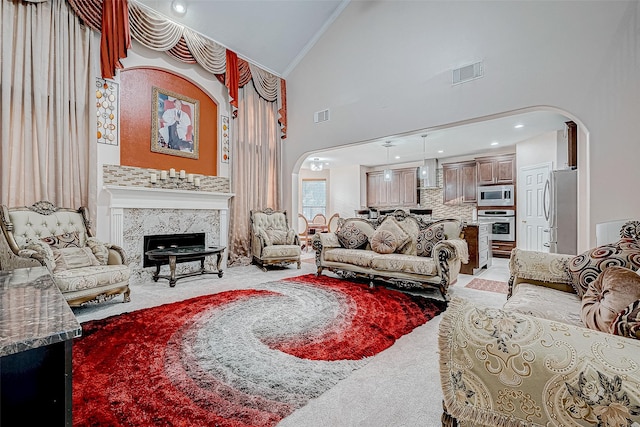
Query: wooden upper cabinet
497, 170
401, 191
459, 183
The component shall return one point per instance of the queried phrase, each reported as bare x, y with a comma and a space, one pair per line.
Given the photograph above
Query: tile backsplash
431, 198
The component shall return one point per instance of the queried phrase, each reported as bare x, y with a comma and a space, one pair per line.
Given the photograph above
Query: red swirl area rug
237, 358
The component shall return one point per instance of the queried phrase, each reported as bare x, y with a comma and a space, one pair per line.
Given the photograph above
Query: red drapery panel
283, 108
116, 38
231, 78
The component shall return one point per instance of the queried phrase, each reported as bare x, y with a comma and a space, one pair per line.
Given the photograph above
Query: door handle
546, 245
546, 230
547, 186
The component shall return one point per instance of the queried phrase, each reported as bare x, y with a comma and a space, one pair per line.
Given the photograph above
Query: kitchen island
37, 327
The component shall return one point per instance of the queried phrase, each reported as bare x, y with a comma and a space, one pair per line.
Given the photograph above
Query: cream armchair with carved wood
273, 241
85, 269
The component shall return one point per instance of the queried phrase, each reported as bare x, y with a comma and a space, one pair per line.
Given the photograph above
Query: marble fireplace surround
139, 211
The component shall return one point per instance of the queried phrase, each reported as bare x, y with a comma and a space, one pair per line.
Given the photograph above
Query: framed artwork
225, 139
107, 95
174, 124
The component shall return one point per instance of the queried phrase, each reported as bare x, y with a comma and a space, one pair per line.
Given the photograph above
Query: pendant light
316, 165
424, 169
387, 174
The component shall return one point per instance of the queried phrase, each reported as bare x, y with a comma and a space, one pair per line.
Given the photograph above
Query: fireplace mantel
165, 198
124, 197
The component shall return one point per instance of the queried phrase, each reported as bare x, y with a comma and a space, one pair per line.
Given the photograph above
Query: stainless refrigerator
561, 211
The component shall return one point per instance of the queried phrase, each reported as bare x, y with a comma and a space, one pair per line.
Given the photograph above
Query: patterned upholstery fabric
35, 226
354, 234
73, 257
627, 322
357, 257
545, 303
428, 238
586, 267
405, 264
613, 290
412, 229
501, 368
276, 237
86, 278
281, 251
540, 266
66, 240
383, 242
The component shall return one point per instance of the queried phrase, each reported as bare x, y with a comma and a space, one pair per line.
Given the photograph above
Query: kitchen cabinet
479, 243
459, 183
572, 144
497, 169
502, 249
402, 190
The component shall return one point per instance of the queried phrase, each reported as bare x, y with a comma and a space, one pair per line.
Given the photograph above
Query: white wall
540, 149
383, 68
345, 190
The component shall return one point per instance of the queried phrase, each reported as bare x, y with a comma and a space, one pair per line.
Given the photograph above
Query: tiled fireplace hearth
135, 212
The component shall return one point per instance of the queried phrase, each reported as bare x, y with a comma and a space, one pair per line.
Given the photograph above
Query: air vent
466, 73
321, 116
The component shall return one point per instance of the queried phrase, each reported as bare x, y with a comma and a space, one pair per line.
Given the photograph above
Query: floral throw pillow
351, 236
427, 239
586, 267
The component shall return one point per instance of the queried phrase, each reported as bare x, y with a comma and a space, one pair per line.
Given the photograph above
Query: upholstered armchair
273, 242
85, 269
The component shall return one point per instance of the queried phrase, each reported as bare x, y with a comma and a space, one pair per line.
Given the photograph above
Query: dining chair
333, 222
303, 232
319, 219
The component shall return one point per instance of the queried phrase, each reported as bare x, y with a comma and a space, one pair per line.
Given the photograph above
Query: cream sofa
273, 242
85, 269
549, 357
426, 254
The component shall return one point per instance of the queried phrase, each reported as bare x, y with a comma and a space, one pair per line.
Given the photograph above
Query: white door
533, 228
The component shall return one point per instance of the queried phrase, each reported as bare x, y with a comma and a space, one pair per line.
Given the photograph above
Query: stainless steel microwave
496, 195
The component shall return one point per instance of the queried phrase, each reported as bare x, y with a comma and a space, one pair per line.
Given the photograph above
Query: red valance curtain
159, 33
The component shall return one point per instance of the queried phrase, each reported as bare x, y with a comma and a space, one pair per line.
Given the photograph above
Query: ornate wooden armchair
273, 242
85, 269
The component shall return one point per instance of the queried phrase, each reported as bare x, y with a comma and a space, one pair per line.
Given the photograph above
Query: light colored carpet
400, 387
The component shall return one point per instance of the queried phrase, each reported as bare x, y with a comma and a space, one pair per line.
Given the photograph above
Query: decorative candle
182, 174
196, 182
190, 177
172, 173
163, 175
153, 178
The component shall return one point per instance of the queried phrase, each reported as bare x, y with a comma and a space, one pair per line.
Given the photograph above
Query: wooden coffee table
179, 254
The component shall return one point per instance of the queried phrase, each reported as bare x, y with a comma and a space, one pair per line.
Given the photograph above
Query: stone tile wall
130, 176
432, 199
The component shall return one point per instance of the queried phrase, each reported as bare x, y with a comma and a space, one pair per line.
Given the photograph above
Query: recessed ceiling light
495, 143
397, 157
519, 126
440, 151
179, 7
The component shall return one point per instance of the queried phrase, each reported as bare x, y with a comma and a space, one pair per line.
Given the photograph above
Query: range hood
427, 173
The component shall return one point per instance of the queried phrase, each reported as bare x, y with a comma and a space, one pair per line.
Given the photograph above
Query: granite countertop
33, 312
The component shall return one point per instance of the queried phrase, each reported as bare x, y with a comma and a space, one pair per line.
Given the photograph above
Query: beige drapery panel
256, 147
46, 80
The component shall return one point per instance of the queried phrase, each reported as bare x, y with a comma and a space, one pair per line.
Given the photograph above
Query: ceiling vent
321, 116
466, 73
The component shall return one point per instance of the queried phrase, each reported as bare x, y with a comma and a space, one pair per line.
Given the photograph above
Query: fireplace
159, 241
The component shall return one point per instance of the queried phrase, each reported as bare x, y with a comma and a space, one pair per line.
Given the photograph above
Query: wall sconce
387, 174
316, 165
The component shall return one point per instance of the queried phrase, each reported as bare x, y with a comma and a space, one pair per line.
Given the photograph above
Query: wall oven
496, 195
503, 223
